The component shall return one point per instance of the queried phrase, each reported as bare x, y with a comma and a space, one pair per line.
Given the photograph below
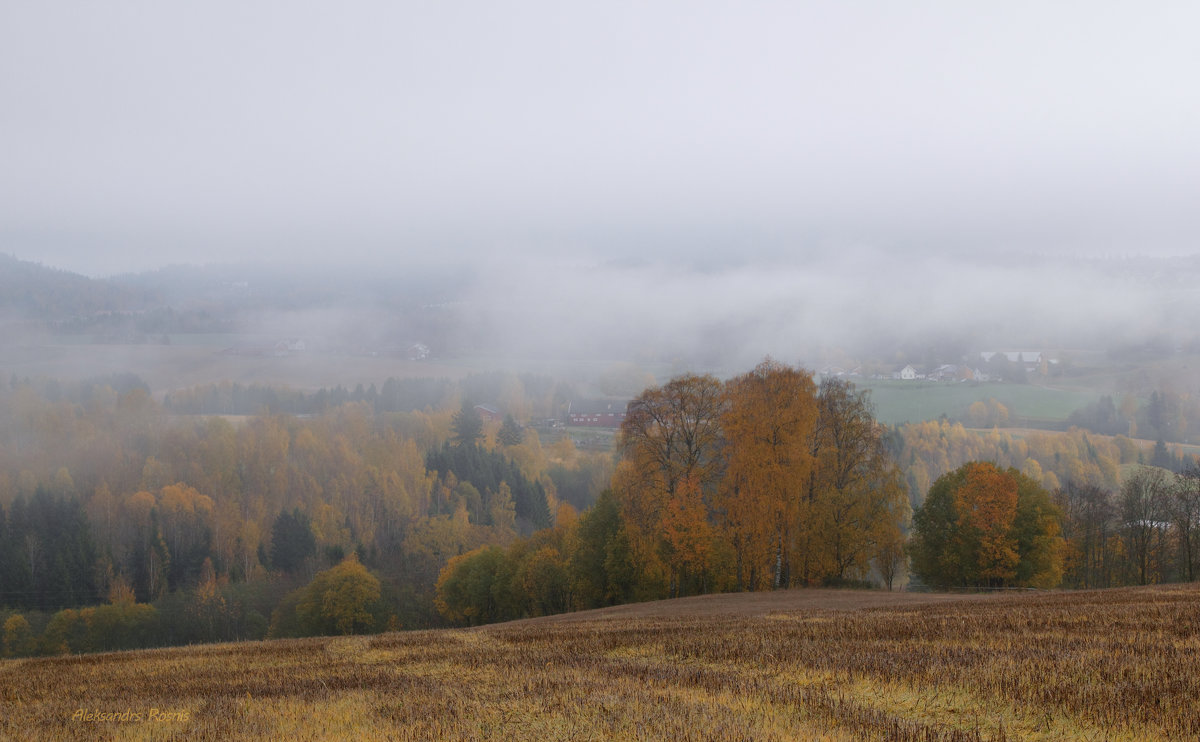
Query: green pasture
913, 401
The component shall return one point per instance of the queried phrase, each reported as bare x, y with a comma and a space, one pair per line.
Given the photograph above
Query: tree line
201, 517
1162, 415
1145, 531
122, 525
768, 480
929, 449
981, 525
526, 396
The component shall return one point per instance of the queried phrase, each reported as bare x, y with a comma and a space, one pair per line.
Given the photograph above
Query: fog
627, 179
671, 314
866, 304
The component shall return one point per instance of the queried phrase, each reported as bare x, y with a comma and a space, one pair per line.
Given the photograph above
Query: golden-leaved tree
768, 424
344, 599
986, 503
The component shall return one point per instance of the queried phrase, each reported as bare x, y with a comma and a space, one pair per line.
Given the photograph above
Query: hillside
31, 291
1116, 664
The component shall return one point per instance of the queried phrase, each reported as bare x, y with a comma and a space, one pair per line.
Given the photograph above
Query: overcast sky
136, 134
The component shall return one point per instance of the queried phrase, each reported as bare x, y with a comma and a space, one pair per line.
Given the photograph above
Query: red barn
597, 413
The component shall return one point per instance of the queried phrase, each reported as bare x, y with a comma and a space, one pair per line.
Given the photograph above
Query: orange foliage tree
768, 425
776, 482
987, 506
983, 526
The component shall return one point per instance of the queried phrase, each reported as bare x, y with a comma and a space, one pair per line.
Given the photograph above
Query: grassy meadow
913, 401
808, 664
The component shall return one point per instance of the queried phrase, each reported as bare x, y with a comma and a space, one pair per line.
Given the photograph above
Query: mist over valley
866, 312
711, 352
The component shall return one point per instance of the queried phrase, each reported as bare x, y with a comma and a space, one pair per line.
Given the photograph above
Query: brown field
1100, 665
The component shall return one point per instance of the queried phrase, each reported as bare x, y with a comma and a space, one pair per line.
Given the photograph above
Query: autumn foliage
987, 506
209, 523
983, 526
760, 482
208, 526
763, 481
344, 599
771, 413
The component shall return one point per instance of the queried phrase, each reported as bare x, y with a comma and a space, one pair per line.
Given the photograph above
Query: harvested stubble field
1101, 665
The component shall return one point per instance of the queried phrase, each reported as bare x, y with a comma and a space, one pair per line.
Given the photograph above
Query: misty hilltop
684, 313
33, 291
618, 182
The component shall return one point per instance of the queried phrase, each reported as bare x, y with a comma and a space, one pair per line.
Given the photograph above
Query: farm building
597, 413
488, 412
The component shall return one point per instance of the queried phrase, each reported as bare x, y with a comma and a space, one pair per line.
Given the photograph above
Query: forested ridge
105, 498
124, 525
34, 292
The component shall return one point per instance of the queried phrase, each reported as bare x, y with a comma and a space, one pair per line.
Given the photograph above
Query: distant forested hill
108, 310
33, 291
